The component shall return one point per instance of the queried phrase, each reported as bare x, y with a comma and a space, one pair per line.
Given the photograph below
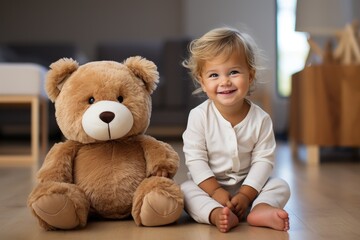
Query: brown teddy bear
107, 166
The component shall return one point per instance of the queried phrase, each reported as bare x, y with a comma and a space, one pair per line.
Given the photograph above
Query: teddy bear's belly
110, 179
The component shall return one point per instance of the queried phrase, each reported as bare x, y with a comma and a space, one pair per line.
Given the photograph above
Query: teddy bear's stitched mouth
109, 131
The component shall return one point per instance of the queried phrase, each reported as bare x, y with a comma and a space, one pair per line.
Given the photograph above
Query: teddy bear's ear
145, 70
57, 75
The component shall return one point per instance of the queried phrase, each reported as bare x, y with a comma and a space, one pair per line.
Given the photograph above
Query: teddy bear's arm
161, 158
58, 164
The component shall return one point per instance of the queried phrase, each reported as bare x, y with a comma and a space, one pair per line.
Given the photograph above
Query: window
292, 46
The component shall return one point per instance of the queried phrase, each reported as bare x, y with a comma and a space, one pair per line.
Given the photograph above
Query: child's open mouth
227, 92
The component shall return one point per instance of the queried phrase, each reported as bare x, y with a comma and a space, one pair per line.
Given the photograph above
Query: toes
283, 214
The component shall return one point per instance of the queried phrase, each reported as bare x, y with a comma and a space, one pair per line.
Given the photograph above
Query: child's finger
230, 205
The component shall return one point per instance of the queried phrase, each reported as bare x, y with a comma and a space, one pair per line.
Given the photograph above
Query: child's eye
213, 75
234, 72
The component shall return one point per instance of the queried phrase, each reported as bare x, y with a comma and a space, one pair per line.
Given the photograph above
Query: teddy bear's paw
158, 209
56, 210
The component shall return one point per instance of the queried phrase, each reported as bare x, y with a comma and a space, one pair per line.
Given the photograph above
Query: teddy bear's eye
91, 100
120, 99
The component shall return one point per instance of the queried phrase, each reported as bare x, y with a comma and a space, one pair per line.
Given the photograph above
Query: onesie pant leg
198, 204
276, 193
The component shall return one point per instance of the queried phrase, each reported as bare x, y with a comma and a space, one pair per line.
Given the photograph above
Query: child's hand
222, 196
240, 204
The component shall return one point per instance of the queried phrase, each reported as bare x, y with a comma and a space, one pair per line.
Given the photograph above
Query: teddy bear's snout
107, 116
105, 120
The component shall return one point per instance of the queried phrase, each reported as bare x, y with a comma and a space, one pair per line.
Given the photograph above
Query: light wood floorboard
325, 204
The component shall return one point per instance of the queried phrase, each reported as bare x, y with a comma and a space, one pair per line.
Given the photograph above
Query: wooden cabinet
325, 108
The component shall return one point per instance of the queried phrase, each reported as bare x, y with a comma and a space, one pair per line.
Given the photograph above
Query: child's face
226, 81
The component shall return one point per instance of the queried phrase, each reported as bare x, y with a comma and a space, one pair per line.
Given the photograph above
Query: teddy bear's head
102, 100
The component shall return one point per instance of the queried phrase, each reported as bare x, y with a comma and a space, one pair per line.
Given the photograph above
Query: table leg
313, 155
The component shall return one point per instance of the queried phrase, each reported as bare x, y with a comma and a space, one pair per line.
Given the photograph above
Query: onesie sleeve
262, 159
196, 157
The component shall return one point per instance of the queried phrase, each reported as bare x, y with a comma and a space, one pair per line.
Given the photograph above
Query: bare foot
224, 219
264, 215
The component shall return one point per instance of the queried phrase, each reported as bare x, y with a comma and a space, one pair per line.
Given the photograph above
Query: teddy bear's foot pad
56, 210
158, 209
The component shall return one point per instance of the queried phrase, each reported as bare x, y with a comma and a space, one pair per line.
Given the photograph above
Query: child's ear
252, 75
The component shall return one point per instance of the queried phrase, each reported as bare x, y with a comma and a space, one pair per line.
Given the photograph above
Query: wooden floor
325, 204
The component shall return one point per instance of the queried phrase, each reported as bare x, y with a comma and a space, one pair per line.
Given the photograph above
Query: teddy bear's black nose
107, 117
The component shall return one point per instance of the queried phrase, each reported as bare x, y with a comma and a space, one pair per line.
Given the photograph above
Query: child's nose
225, 81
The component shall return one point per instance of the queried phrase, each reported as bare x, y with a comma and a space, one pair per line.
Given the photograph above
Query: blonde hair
220, 41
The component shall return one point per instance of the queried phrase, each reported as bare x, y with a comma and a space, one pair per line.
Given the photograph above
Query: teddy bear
108, 166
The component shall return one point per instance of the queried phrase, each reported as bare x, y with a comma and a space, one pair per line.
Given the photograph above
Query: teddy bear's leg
59, 205
157, 201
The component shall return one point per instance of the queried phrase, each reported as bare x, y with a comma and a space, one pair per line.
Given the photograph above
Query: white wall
257, 17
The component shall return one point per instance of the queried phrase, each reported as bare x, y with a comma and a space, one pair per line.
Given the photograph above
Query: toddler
229, 142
